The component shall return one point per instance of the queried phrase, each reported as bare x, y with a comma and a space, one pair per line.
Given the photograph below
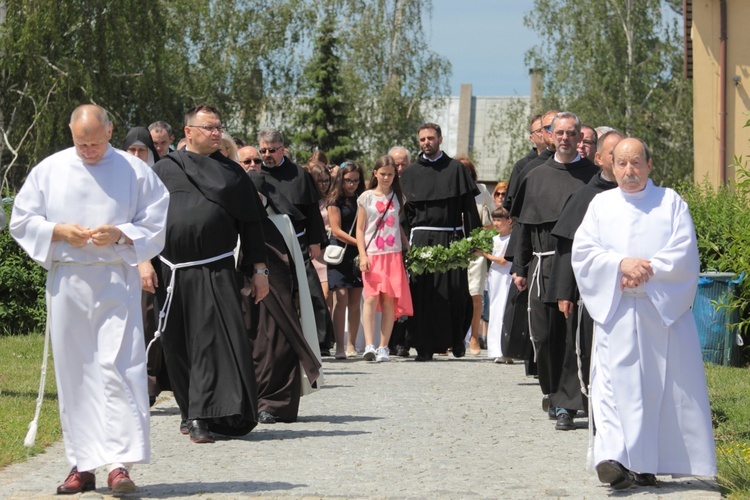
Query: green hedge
22, 308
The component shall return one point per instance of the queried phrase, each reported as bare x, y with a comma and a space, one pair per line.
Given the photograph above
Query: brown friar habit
297, 185
537, 207
279, 346
568, 394
439, 195
206, 345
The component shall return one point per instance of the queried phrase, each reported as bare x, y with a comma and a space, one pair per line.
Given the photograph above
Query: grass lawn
729, 392
20, 367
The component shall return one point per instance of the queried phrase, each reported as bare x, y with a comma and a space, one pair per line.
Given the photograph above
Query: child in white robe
498, 279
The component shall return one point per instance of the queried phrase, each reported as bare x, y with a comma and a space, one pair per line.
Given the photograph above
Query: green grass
729, 393
20, 368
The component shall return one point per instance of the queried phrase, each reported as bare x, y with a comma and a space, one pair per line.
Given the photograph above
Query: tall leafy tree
619, 63
322, 121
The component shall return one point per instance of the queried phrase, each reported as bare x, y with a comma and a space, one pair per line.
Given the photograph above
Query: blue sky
485, 40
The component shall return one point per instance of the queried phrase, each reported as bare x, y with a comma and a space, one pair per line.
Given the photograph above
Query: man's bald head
401, 156
632, 164
91, 131
249, 158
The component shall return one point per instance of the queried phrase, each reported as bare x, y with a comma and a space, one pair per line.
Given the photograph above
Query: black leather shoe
265, 417
644, 479
423, 356
402, 351
564, 423
459, 352
184, 426
614, 473
199, 432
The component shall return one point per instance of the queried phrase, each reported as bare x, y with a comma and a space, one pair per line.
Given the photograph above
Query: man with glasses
298, 186
541, 197
206, 344
250, 159
587, 146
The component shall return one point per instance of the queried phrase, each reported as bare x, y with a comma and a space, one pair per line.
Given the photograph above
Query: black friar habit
439, 195
207, 348
279, 346
568, 394
156, 368
537, 207
297, 185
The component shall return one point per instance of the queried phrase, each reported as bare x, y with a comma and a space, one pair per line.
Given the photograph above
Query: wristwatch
121, 241
263, 271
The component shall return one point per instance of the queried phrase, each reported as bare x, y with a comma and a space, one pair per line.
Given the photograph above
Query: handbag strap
381, 220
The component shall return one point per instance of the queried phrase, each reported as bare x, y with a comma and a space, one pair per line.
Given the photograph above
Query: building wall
489, 153
705, 34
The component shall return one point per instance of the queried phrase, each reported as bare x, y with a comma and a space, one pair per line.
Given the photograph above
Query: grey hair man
298, 186
544, 192
401, 156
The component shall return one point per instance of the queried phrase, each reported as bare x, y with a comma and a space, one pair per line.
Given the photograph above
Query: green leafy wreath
439, 259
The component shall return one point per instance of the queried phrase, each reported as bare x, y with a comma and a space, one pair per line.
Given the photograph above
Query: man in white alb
635, 259
89, 214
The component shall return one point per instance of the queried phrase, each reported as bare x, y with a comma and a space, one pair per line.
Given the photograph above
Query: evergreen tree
322, 118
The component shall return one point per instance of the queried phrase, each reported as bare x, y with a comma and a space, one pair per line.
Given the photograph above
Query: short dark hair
533, 119
433, 126
201, 108
161, 125
500, 213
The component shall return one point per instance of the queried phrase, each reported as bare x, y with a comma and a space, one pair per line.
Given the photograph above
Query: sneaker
369, 354
382, 354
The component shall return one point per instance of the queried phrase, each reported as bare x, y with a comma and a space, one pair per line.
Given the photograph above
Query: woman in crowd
323, 182
498, 194
478, 267
228, 147
342, 281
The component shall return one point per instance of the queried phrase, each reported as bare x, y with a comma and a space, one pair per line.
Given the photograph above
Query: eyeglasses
269, 150
569, 133
500, 193
537, 130
209, 128
323, 181
590, 144
548, 128
248, 161
332, 167
351, 181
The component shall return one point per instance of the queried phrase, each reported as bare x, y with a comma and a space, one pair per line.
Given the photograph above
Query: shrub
22, 302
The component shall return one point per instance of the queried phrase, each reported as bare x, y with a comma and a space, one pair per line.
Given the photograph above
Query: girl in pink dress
380, 240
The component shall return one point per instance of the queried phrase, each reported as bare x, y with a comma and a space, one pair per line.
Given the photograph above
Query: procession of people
227, 275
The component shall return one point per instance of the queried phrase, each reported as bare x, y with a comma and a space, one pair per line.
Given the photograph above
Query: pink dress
387, 274
320, 265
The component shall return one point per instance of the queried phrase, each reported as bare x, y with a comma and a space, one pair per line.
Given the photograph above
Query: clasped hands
635, 271
79, 236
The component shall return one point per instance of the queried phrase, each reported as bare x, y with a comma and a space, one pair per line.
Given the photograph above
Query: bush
22, 302
722, 225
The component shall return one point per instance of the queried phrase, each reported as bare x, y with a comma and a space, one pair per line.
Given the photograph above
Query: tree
322, 121
618, 63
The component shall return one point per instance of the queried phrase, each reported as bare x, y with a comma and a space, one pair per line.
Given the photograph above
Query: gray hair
90, 109
602, 129
567, 114
160, 125
394, 148
271, 136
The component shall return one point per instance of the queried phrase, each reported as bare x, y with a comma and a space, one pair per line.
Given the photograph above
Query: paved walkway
453, 428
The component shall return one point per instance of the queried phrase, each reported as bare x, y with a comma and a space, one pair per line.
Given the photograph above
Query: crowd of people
224, 272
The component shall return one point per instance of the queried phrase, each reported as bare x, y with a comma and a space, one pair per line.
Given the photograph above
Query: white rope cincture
164, 313
432, 228
30, 438
535, 278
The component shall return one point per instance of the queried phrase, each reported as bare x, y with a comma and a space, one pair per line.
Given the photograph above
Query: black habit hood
445, 178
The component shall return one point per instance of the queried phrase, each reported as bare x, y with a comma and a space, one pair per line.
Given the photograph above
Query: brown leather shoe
77, 482
119, 481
